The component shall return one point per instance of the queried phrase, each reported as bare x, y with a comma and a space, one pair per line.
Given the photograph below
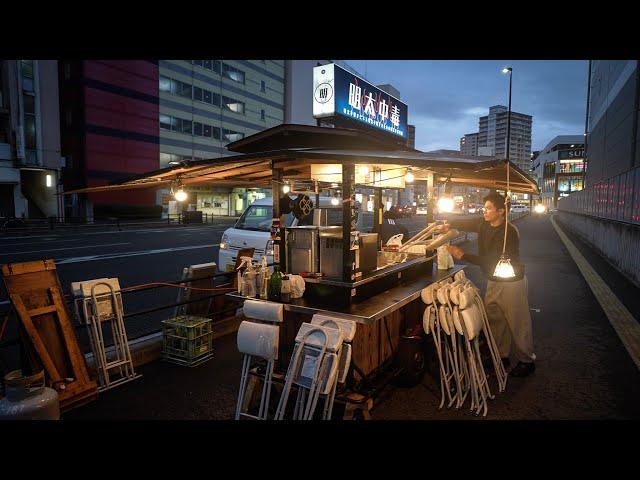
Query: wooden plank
78, 362
41, 349
42, 311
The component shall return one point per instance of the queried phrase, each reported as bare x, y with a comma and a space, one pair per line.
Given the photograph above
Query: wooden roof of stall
293, 148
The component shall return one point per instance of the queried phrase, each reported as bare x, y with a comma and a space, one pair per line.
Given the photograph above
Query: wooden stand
36, 294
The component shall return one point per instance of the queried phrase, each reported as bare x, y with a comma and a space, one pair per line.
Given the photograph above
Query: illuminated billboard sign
337, 92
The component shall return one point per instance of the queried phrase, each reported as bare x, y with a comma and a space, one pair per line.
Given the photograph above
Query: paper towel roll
317, 336
258, 339
348, 327
267, 311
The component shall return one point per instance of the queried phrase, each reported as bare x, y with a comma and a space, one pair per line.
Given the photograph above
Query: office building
30, 159
109, 128
469, 144
207, 104
613, 119
493, 135
559, 168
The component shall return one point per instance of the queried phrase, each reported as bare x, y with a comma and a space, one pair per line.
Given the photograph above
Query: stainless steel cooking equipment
302, 249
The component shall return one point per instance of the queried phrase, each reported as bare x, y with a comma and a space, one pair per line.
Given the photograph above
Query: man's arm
467, 224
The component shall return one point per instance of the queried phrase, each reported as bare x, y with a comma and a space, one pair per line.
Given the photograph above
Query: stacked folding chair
348, 330
258, 338
455, 318
101, 303
315, 366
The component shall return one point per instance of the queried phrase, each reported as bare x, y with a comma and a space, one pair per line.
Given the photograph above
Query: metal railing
53, 223
616, 198
79, 325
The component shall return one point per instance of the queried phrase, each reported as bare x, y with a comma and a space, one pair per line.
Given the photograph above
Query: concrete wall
617, 242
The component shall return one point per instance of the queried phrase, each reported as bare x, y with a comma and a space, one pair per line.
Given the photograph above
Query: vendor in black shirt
505, 300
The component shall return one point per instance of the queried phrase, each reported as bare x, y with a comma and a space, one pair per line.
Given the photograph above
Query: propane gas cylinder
27, 398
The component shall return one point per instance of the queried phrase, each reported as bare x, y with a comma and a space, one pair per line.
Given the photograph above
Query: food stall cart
384, 301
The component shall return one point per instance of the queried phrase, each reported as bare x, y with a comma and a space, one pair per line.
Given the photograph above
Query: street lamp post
508, 70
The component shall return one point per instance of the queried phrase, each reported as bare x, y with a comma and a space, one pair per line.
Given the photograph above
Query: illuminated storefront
560, 168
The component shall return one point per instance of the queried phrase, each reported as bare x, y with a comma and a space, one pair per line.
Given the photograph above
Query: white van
253, 229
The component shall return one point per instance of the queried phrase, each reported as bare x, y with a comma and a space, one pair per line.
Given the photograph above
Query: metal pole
508, 152
348, 220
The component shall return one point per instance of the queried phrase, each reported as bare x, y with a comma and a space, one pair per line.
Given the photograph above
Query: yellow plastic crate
187, 340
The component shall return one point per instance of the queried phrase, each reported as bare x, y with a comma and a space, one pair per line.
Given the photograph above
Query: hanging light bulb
409, 177
504, 269
335, 201
445, 204
286, 188
180, 195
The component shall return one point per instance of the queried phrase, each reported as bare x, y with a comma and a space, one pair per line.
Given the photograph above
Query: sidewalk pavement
583, 370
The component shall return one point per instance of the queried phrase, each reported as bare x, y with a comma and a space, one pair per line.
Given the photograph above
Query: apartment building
30, 159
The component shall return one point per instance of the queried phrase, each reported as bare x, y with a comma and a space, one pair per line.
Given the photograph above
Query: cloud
446, 98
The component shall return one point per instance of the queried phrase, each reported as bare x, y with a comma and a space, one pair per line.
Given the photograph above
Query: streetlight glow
506, 70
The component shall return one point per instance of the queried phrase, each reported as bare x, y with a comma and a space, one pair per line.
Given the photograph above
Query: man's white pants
510, 319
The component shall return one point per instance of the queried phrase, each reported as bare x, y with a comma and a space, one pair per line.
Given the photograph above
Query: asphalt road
583, 370
135, 256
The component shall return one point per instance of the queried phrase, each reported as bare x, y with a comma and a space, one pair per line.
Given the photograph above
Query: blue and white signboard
339, 92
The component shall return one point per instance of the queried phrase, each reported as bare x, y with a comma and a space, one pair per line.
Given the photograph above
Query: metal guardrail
616, 198
134, 289
52, 223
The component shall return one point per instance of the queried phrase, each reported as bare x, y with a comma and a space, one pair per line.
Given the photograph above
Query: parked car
422, 209
519, 208
409, 211
253, 229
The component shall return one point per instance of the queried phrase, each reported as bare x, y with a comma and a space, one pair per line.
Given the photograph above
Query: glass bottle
275, 284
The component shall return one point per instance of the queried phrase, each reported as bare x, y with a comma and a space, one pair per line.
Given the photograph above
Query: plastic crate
187, 340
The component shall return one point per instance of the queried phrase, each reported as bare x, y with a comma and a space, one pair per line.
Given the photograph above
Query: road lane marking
110, 256
627, 327
40, 242
65, 248
29, 236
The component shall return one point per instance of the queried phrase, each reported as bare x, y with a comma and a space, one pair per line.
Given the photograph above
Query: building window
233, 105
197, 93
26, 67
263, 86
184, 90
197, 129
262, 114
185, 126
29, 103
231, 135
165, 84
206, 96
233, 73
167, 122
206, 131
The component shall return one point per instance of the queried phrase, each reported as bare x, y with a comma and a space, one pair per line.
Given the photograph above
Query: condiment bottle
285, 292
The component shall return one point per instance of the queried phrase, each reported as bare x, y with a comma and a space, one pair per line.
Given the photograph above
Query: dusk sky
446, 97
